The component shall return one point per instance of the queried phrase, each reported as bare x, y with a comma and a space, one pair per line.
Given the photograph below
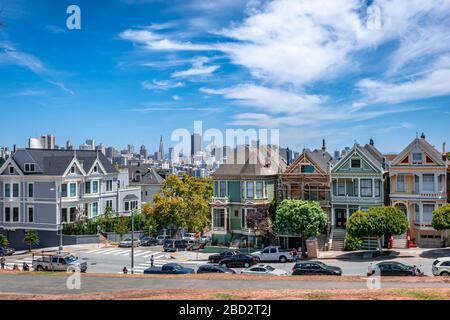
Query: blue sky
339, 70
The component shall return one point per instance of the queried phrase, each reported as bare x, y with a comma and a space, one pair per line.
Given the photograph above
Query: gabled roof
319, 158
56, 162
148, 175
368, 152
428, 148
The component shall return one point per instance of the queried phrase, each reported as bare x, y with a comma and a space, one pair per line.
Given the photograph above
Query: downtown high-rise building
161, 150
143, 152
196, 143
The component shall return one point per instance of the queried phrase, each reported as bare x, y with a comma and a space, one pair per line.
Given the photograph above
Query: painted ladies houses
418, 187
358, 183
240, 188
41, 189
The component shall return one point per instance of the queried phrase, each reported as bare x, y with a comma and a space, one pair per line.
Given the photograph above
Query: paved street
113, 259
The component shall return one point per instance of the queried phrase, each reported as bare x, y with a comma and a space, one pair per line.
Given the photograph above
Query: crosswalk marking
95, 250
142, 253
107, 250
113, 251
121, 252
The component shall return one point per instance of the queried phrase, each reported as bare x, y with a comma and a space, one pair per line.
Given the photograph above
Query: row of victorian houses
416, 181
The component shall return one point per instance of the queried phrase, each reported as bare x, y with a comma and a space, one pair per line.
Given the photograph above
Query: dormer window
72, 170
95, 169
11, 170
29, 167
356, 163
417, 157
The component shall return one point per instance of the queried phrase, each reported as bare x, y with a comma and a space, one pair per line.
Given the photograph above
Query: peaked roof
319, 157
56, 162
426, 146
148, 174
372, 154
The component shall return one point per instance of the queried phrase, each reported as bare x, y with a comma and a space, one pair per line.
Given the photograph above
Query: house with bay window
418, 185
41, 189
358, 183
239, 190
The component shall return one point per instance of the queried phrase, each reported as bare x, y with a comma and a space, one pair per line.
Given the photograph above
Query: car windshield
435, 262
127, 239
70, 259
269, 268
177, 267
323, 265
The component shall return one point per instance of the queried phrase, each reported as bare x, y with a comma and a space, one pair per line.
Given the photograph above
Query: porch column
212, 218
359, 186
436, 189
420, 182
333, 216
226, 219
373, 187
347, 211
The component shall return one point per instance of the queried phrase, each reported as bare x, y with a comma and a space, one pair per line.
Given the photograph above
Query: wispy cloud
198, 69
160, 85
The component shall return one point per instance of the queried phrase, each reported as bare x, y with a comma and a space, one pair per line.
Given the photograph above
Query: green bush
352, 243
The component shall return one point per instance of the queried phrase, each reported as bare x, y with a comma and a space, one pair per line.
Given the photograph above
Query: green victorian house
241, 189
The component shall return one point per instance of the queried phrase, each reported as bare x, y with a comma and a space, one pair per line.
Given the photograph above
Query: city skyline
163, 65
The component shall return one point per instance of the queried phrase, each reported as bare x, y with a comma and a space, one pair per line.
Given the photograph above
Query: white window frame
9, 189
397, 184
425, 221
10, 214
92, 209
216, 211
107, 202
28, 214
429, 183
109, 182
220, 188
417, 161
18, 213
30, 165
247, 183
28, 190
370, 189
351, 163
92, 186
18, 190
13, 171
69, 193
256, 195
244, 217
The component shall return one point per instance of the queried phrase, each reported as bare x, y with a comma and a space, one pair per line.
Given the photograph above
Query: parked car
126, 243
393, 268
148, 241
214, 268
161, 239
315, 268
264, 269
189, 236
273, 253
171, 245
6, 251
215, 258
169, 268
57, 262
238, 261
441, 267
205, 239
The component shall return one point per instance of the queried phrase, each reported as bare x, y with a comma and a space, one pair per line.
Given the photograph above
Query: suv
171, 245
6, 251
441, 267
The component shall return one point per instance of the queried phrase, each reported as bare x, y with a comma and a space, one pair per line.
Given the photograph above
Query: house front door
341, 218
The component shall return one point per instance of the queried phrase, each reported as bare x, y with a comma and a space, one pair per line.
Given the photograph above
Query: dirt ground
356, 294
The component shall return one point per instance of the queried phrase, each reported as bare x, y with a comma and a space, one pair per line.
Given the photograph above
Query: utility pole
132, 242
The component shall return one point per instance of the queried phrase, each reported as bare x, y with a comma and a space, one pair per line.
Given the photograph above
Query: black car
149, 241
238, 261
215, 258
171, 245
214, 268
315, 268
393, 269
6, 251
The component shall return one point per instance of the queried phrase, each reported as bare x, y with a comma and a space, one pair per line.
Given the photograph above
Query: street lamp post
132, 241
59, 193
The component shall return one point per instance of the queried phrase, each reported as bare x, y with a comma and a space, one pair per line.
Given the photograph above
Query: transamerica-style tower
161, 150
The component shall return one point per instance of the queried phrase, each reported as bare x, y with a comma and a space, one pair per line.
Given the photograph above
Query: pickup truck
273, 253
169, 268
57, 262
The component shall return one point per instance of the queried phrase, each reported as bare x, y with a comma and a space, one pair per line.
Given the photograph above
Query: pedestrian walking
152, 261
125, 270
15, 267
294, 254
25, 267
2, 262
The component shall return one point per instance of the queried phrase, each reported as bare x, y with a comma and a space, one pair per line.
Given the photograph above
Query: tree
377, 222
261, 221
3, 241
31, 237
441, 221
121, 226
183, 203
299, 217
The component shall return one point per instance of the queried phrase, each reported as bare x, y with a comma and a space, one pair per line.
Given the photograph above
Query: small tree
3, 241
298, 217
121, 226
261, 221
441, 221
31, 237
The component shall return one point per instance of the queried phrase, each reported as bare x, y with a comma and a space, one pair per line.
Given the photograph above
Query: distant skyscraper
337, 155
171, 153
143, 152
48, 141
112, 153
101, 148
69, 145
196, 143
130, 149
35, 143
161, 149
90, 143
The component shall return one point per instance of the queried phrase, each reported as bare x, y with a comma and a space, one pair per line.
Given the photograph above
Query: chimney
324, 148
443, 148
14, 148
288, 156
371, 142
422, 136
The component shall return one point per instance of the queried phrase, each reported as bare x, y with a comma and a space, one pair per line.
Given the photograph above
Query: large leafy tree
302, 218
183, 202
31, 237
261, 221
377, 222
441, 220
121, 226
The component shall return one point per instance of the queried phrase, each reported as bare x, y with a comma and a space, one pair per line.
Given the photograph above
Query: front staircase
337, 239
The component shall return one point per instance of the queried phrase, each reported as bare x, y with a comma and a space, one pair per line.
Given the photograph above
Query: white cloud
160, 85
176, 98
198, 69
269, 99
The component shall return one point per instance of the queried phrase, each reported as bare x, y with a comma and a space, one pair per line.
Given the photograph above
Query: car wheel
39, 268
246, 265
445, 274
283, 259
223, 265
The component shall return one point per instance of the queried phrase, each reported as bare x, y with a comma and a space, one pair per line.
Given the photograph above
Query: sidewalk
387, 253
68, 248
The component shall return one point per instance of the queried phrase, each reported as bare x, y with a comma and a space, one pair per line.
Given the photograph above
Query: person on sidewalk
2, 262
152, 261
294, 254
125, 270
